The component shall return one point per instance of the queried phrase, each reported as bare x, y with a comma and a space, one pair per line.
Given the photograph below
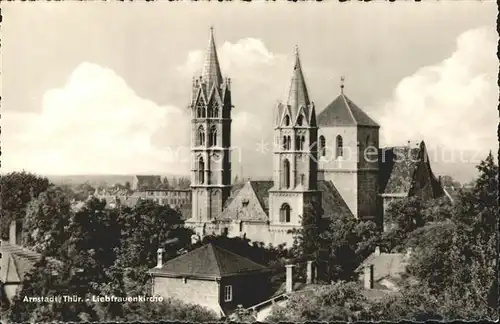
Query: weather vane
342, 79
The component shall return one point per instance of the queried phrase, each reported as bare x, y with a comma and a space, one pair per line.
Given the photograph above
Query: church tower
294, 158
210, 141
348, 154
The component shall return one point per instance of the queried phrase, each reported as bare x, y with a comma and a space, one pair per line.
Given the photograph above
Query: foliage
16, 191
350, 241
46, 221
341, 301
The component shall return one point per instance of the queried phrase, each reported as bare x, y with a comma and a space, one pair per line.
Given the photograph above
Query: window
198, 111
340, 147
228, 293
300, 120
285, 213
212, 138
201, 136
322, 146
201, 171
302, 179
286, 174
288, 142
287, 120
215, 111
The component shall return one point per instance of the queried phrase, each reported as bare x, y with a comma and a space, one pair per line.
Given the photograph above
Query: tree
349, 241
47, 217
341, 301
16, 191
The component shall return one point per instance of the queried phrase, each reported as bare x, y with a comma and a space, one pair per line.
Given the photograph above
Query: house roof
16, 262
343, 112
148, 180
405, 169
385, 265
209, 262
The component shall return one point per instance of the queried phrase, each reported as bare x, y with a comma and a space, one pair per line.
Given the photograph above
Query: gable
246, 204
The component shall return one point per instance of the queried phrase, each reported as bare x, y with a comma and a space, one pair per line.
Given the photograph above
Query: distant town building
143, 182
212, 277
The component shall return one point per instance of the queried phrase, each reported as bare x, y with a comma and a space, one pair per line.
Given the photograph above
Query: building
211, 277
332, 158
405, 171
142, 182
15, 263
175, 198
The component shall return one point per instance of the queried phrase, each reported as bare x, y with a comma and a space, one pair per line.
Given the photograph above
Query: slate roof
297, 94
16, 262
209, 262
343, 112
234, 192
211, 70
407, 169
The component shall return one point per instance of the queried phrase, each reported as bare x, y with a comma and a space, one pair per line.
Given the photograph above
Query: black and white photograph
249, 161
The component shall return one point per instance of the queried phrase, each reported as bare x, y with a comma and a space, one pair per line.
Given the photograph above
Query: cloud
451, 105
93, 124
96, 124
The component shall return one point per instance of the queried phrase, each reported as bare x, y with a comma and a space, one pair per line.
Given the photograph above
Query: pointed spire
297, 94
211, 69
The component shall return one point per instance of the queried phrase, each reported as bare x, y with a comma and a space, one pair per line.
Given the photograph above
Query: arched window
215, 111
212, 137
340, 147
288, 142
302, 142
302, 179
287, 120
198, 112
203, 112
300, 120
201, 136
210, 111
322, 146
285, 213
285, 145
297, 143
286, 174
201, 170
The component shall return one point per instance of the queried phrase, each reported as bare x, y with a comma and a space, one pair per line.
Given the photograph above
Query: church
331, 158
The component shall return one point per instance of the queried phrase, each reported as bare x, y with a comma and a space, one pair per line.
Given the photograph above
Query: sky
103, 88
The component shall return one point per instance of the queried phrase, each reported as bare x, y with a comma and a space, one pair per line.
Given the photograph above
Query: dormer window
244, 202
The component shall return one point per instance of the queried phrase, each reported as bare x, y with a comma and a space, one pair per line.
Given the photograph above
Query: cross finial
342, 79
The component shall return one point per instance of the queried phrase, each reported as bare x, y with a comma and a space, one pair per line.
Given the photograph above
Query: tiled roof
407, 170
343, 112
234, 192
209, 261
16, 262
386, 265
261, 189
333, 204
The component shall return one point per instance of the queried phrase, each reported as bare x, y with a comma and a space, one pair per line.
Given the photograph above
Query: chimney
160, 257
369, 276
309, 273
289, 279
377, 250
14, 233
